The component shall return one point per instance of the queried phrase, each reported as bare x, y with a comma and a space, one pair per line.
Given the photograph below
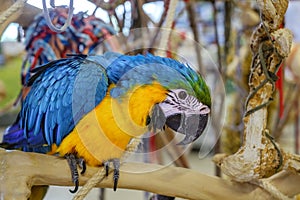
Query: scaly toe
116, 173
73, 161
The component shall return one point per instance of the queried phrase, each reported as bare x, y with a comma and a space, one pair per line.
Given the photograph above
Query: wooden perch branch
20, 171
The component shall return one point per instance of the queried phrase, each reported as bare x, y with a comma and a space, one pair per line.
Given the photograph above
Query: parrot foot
73, 161
116, 175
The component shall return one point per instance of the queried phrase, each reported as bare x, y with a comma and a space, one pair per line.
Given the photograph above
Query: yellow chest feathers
105, 132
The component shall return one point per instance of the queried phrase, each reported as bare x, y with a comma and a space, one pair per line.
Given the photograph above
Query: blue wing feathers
47, 112
36, 129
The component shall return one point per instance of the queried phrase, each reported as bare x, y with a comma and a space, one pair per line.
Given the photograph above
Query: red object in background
279, 86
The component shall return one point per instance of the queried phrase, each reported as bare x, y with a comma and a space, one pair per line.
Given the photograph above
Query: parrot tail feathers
13, 138
16, 138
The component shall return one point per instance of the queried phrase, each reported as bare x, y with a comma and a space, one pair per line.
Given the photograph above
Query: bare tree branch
20, 171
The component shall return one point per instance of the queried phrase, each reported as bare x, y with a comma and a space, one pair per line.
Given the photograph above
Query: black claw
73, 162
83, 168
115, 184
116, 175
116, 178
116, 163
106, 166
81, 163
76, 187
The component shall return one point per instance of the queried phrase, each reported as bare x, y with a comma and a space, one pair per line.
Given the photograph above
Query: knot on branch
269, 47
272, 12
272, 16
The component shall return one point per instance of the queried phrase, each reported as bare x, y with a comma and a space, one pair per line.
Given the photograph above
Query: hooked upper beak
191, 122
192, 125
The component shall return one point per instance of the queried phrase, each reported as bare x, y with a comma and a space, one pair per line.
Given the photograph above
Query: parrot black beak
191, 126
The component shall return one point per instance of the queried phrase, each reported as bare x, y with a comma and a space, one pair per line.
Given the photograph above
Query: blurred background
212, 36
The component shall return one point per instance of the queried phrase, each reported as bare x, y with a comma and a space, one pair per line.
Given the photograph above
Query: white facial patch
179, 101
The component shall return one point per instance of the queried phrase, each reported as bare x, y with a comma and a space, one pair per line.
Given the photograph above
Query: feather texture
65, 92
62, 92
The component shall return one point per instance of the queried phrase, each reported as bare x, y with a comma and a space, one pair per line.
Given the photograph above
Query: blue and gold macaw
91, 107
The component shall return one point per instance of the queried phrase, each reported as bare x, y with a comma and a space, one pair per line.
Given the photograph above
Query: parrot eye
182, 95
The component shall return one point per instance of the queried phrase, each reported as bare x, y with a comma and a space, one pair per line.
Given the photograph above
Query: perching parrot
89, 108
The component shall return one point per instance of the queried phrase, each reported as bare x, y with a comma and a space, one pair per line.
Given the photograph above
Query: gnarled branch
20, 171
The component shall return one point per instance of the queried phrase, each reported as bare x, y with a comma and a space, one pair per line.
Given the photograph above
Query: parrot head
187, 102
184, 114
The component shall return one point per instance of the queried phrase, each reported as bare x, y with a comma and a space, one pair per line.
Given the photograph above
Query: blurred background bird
89, 108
